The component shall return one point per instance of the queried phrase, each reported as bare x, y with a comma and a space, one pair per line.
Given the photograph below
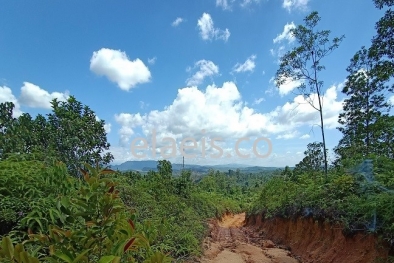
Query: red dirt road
230, 242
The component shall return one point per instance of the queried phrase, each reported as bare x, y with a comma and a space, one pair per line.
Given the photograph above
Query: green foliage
89, 224
175, 209
360, 202
14, 254
366, 126
183, 184
381, 3
70, 133
29, 185
71, 138
346, 198
313, 162
383, 42
68, 216
6, 123
164, 169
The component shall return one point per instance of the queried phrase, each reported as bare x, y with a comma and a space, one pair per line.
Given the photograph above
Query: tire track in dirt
230, 242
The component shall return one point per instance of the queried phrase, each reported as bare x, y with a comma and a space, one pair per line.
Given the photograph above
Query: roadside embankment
315, 241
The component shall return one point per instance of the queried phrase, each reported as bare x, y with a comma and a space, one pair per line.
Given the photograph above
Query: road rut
231, 242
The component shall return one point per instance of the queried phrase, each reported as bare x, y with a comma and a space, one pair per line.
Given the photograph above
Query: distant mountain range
145, 166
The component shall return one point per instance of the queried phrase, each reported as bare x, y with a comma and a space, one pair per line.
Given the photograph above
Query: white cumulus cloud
295, 4
286, 34
206, 68
208, 30
300, 112
248, 65
128, 122
220, 112
6, 95
31, 96
35, 97
107, 127
287, 86
116, 66
283, 41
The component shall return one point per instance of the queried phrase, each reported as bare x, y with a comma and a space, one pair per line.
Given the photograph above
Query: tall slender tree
367, 126
366, 104
303, 63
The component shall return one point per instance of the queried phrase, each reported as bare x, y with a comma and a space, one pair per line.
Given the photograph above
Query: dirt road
230, 242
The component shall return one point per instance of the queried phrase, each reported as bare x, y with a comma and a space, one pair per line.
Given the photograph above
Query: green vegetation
71, 134
57, 216
357, 190
179, 207
58, 208
346, 198
61, 218
59, 202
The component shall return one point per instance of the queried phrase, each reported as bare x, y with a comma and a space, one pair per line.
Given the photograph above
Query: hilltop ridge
147, 165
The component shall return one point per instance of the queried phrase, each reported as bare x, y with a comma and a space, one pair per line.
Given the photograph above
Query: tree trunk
321, 119
324, 143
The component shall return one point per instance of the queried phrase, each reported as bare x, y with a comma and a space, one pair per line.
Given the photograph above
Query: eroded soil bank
319, 242
231, 242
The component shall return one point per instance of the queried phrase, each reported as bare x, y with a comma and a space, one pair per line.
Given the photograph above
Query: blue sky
177, 67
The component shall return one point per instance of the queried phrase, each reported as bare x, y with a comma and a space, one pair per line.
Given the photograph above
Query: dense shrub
346, 198
86, 221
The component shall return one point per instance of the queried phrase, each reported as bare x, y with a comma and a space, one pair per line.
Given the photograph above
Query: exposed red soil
319, 242
231, 242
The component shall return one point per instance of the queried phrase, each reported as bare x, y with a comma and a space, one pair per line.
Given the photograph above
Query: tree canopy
71, 133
